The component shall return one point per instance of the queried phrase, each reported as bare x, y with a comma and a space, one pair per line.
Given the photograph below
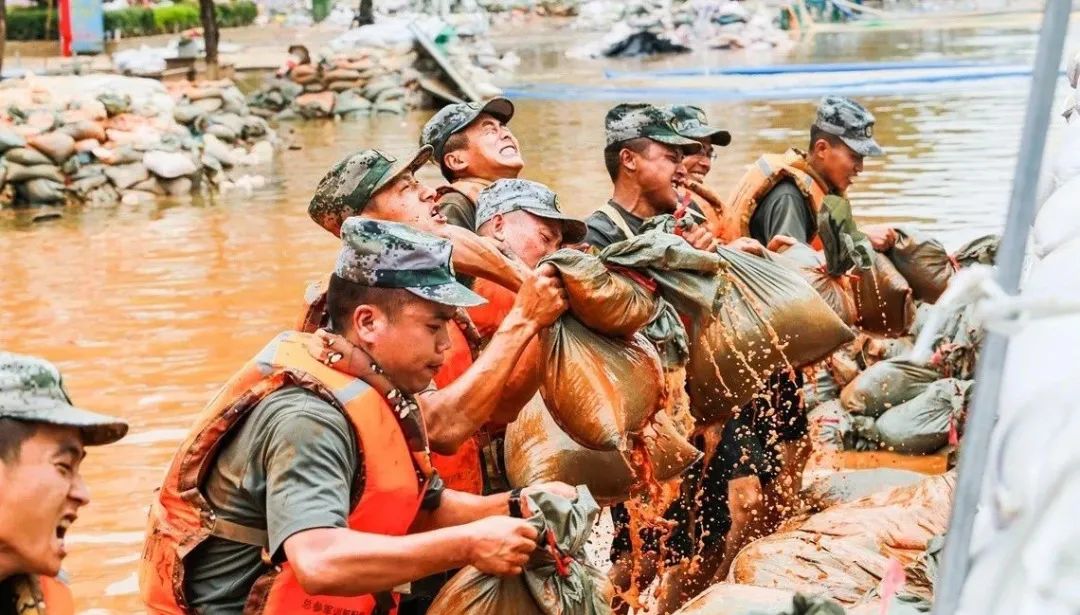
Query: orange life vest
180, 519
489, 316
42, 595
760, 179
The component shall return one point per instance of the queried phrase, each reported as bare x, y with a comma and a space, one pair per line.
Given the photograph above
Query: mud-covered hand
336, 351
560, 489
541, 298
881, 236
700, 237
781, 243
500, 545
748, 245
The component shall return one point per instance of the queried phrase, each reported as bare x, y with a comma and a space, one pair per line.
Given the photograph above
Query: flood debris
107, 139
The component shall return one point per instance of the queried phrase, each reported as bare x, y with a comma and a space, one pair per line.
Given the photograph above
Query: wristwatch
515, 503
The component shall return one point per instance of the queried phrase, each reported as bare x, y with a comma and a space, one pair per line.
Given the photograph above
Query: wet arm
523, 384
459, 508
481, 258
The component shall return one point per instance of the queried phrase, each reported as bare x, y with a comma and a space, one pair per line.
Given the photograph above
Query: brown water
148, 309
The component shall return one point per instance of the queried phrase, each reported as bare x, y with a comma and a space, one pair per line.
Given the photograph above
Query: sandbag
18, 173
314, 88
351, 101
10, 140
876, 348
844, 551
583, 589
341, 74
315, 105
819, 386
151, 185
732, 599
26, 156
922, 425
598, 388
181, 186
537, 451
341, 86
84, 129
850, 485
887, 384
924, 263
844, 365
304, 74
169, 165
601, 299
40, 191
979, 251
124, 176
811, 266
883, 299
833, 429
115, 103
1058, 220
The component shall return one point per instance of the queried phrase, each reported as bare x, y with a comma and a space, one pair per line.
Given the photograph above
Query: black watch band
514, 503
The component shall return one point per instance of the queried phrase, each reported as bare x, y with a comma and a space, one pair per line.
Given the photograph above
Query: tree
208, 14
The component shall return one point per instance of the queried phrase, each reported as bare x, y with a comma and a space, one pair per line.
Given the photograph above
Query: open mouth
509, 150
62, 529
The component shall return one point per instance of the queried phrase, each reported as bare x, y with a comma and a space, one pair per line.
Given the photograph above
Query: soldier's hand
882, 237
554, 487
500, 545
542, 298
700, 237
780, 242
748, 245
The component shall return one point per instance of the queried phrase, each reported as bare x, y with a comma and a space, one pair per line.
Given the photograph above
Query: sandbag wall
106, 139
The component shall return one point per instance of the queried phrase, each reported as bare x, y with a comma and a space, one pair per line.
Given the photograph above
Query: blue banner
87, 26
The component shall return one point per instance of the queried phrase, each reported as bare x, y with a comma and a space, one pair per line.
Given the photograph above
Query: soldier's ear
498, 225
365, 322
628, 159
456, 161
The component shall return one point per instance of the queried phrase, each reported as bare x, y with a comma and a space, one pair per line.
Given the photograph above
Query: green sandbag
26, 156
351, 101
601, 299
850, 485
598, 388
115, 104
886, 385
540, 589
921, 426
40, 191
844, 245
669, 336
18, 173
538, 451
10, 140
923, 262
875, 348
982, 251
186, 114
820, 387
883, 299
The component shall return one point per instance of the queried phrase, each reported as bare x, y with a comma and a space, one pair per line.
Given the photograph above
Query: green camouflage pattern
637, 120
31, 389
394, 255
691, 122
346, 189
850, 121
507, 195
455, 118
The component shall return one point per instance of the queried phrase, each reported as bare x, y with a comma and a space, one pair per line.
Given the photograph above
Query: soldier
42, 440
473, 147
303, 487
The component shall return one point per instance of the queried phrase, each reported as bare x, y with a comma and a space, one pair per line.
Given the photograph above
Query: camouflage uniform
507, 195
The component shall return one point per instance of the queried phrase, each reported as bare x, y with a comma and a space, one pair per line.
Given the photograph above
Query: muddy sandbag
850, 485
979, 251
886, 385
313, 105
844, 246
602, 299
40, 191
84, 186
844, 551
922, 425
114, 103
26, 156
351, 102
304, 74
187, 113
537, 450
733, 599
205, 106
84, 129
169, 165
341, 74
10, 140
124, 176
18, 173
151, 185
924, 263
844, 365
810, 264
819, 386
883, 299
876, 348
598, 388
181, 186
568, 585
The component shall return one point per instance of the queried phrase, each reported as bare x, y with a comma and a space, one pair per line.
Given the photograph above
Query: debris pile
104, 139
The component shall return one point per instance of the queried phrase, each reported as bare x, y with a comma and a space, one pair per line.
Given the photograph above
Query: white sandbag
169, 165
1066, 164
1058, 219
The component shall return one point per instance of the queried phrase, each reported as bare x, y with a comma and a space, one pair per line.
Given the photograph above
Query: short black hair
344, 296
13, 433
611, 153
817, 133
455, 142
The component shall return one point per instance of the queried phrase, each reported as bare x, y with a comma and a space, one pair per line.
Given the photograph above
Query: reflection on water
148, 309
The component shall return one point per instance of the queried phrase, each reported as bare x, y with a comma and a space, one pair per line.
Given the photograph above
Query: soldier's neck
630, 197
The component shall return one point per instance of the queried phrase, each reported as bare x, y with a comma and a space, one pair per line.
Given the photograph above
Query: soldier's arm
478, 257
782, 212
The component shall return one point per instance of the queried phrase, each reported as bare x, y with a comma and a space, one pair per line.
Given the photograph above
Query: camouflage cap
455, 118
636, 120
691, 122
507, 195
394, 255
850, 121
31, 389
346, 189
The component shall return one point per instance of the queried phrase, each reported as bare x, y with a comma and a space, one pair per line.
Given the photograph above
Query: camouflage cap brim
670, 137
408, 165
573, 230
714, 135
96, 429
451, 293
863, 147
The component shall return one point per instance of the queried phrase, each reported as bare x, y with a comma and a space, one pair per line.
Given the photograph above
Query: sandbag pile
104, 139
647, 27
349, 84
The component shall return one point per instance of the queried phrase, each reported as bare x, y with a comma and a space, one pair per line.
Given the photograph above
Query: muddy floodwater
148, 309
